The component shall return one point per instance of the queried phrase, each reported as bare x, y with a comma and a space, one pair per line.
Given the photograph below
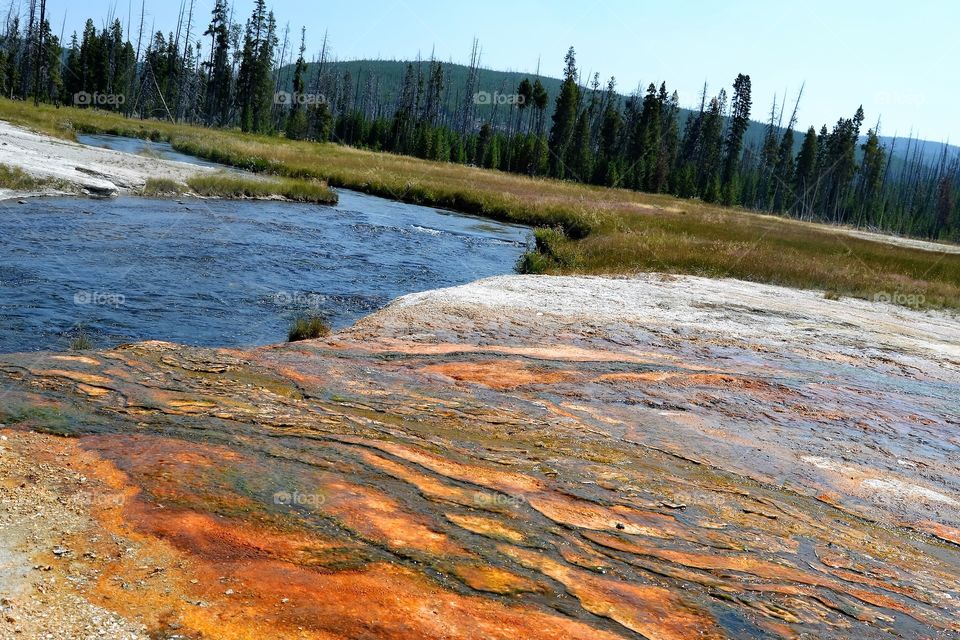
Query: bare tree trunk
181, 85
36, 82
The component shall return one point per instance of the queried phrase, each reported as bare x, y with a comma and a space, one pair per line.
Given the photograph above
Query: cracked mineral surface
521, 457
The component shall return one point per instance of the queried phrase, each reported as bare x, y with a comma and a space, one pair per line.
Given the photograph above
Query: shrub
81, 343
308, 328
533, 262
553, 250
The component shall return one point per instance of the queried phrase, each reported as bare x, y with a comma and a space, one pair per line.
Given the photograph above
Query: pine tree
434, 92
768, 161
647, 141
73, 82
739, 123
219, 70
870, 180
564, 117
783, 173
296, 128
711, 150
14, 45
669, 139
404, 118
541, 99
264, 85
606, 168
50, 88
841, 164
805, 174
525, 102
255, 78
685, 168
579, 159
484, 139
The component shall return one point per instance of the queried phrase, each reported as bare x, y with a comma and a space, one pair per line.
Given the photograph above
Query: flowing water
142, 147
224, 273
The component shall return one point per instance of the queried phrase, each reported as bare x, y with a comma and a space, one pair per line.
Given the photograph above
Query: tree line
249, 75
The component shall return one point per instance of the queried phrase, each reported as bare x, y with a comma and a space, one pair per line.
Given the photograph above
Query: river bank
223, 272
61, 167
602, 231
75, 168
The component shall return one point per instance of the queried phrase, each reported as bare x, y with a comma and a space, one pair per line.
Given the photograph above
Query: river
223, 273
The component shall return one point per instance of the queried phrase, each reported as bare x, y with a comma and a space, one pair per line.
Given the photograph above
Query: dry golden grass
604, 230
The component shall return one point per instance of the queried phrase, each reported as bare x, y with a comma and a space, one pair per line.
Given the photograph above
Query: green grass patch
223, 185
553, 250
163, 188
43, 419
17, 179
308, 328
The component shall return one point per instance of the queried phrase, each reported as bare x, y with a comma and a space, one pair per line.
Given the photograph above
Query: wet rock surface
521, 457
100, 173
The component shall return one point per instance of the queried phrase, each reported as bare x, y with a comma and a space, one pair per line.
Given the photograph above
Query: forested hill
580, 129
386, 78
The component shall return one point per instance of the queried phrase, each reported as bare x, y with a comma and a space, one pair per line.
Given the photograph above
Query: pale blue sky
898, 59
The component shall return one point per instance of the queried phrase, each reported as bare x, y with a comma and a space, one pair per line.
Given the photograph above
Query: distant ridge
389, 74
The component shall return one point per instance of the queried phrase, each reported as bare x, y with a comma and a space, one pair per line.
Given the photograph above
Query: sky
897, 59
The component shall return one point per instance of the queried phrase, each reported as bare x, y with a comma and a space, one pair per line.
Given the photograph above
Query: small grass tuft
81, 343
308, 328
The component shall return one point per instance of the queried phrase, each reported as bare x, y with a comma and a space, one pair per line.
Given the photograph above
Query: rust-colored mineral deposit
721, 467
